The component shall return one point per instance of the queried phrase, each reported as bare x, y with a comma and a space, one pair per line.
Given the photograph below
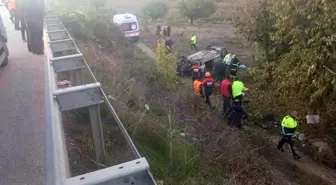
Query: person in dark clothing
234, 64
33, 15
169, 44
168, 30
21, 19
164, 31
158, 30
209, 86
220, 71
288, 127
236, 113
226, 92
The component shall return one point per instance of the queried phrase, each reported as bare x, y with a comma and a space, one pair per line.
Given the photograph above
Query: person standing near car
226, 92
238, 89
193, 42
236, 113
209, 87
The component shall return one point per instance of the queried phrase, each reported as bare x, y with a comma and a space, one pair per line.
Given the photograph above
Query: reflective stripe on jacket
227, 58
288, 125
208, 85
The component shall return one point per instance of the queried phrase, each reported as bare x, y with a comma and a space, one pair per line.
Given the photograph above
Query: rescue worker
236, 113
196, 71
288, 125
193, 42
209, 86
233, 64
33, 15
169, 44
220, 71
227, 58
226, 92
198, 90
238, 89
158, 30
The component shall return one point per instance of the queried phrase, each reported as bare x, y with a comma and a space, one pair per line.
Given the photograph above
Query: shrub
156, 9
166, 64
195, 9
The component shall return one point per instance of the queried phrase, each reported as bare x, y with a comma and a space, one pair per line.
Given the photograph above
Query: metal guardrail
63, 55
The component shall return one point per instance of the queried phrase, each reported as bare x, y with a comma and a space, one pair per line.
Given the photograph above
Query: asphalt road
22, 125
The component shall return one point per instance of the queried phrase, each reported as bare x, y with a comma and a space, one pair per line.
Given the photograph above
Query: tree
195, 9
166, 64
156, 9
98, 3
298, 41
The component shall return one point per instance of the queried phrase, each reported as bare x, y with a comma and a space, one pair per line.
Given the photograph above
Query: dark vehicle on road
208, 58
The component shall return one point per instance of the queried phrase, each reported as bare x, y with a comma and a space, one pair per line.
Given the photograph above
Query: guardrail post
97, 132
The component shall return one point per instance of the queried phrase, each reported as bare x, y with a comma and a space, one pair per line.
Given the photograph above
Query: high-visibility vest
197, 87
237, 88
289, 122
193, 39
11, 5
227, 58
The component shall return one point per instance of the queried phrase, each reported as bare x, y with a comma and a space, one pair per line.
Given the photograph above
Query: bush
155, 9
195, 9
166, 64
297, 46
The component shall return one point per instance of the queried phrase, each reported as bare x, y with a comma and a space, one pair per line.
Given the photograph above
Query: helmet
207, 74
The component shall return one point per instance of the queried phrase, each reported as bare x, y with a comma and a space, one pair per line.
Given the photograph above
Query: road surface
22, 129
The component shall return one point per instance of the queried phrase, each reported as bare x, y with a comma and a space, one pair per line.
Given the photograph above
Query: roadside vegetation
185, 142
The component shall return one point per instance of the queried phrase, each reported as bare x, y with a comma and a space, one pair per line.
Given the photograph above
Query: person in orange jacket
209, 87
198, 89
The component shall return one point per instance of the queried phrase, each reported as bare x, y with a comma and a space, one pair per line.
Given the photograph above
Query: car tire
5, 62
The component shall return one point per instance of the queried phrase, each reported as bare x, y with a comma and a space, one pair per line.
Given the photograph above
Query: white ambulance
128, 25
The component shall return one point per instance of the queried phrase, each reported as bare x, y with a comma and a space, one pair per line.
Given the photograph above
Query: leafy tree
166, 64
98, 3
195, 9
298, 41
156, 9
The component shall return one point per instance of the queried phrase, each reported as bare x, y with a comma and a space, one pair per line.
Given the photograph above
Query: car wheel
5, 62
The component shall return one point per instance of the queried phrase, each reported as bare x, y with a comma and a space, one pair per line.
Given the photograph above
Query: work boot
296, 157
280, 149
